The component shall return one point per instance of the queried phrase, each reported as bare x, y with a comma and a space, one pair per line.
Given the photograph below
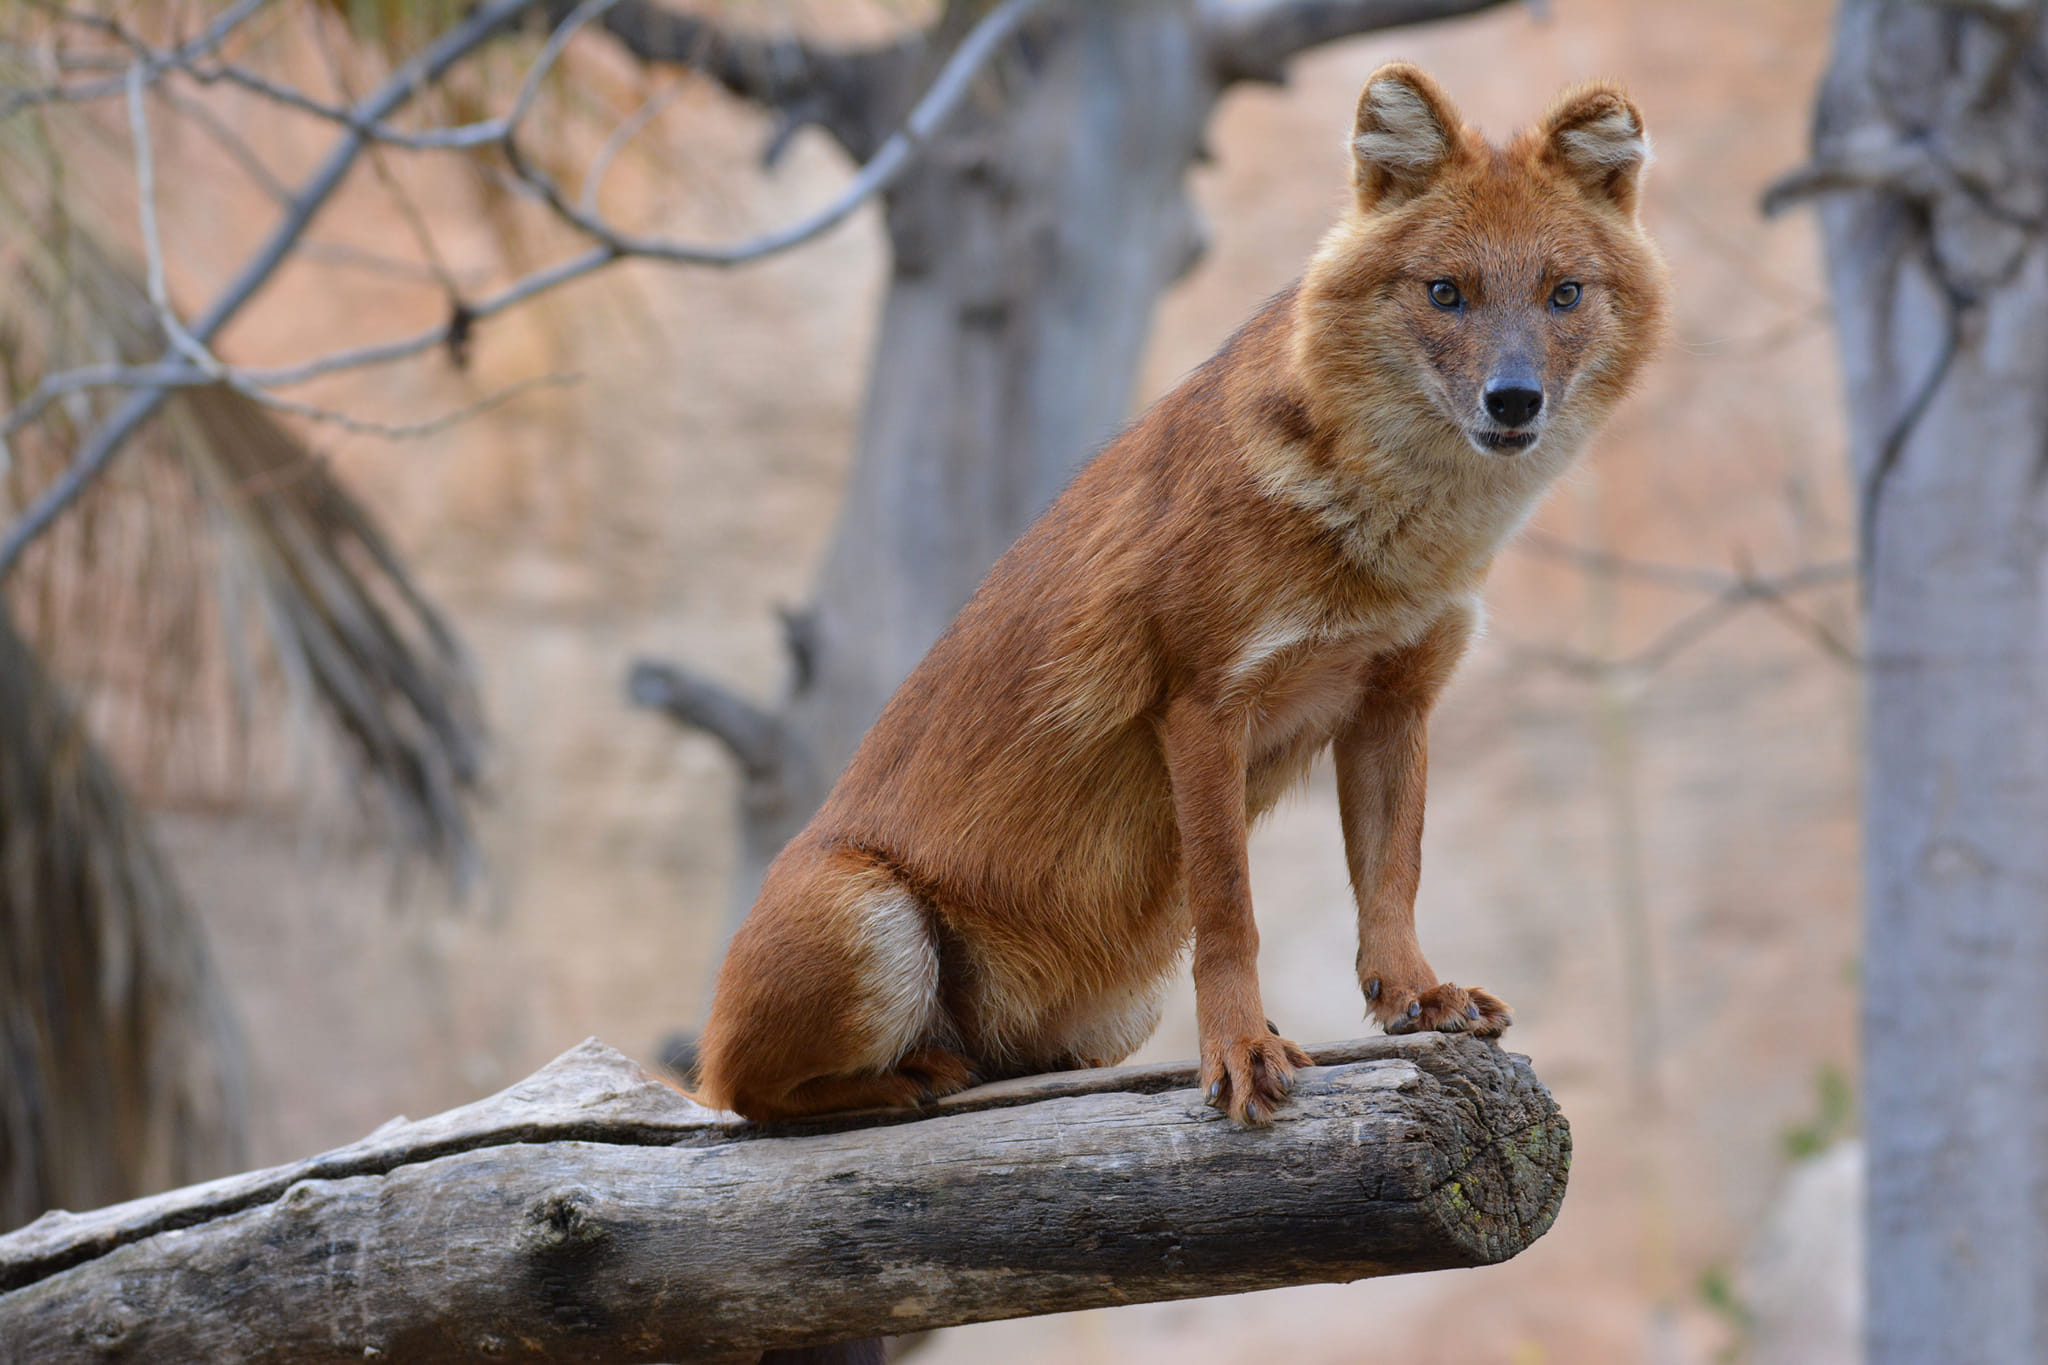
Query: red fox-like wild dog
1283, 556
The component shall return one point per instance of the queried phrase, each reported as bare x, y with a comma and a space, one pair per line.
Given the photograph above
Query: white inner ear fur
1606, 143
1408, 133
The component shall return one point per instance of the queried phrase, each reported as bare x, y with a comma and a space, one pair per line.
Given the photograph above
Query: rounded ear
1406, 133
1595, 136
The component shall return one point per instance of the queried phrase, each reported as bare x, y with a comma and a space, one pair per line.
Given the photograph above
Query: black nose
1512, 404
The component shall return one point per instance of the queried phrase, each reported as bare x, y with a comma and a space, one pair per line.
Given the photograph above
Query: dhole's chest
1297, 695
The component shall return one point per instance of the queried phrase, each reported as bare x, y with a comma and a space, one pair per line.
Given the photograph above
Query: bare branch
757, 739
100, 447
1735, 591
888, 165
461, 137
182, 341
615, 142
1546, 546
155, 65
1253, 40
224, 136
855, 95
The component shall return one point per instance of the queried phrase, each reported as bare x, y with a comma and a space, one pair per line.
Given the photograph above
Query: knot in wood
562, 1222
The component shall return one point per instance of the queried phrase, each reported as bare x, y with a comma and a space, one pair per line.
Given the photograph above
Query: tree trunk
1930, 148
589, 1214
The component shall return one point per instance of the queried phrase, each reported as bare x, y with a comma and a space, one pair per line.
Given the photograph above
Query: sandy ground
670, 501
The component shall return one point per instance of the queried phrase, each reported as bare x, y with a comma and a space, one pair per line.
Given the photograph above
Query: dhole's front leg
1247, 1069
1382, 765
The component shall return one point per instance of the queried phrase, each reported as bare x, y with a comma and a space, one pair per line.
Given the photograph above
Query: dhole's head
1504, 294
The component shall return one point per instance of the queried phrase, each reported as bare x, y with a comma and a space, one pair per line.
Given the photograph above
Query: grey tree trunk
1030, 246
1932, 150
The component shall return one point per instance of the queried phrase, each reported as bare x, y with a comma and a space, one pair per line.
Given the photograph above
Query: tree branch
856, 95
189, 362
591, 1214
182, 55
885, 169
1254, 40
105, 441
757, 739
1730, 593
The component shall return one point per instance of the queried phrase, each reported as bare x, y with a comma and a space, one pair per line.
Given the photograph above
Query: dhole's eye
1444, 294
1565, 295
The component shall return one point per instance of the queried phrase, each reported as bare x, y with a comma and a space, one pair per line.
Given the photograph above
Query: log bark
592, 1214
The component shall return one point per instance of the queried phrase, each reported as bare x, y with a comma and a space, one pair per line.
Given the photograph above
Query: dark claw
1415, 1009
1471, 1011
1272, 1028
1215, 1089
1372, 989
1251, 1111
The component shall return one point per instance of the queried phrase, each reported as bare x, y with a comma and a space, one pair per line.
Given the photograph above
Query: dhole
1283, 556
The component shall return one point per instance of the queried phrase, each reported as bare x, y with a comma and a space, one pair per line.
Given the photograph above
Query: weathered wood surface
592, 1214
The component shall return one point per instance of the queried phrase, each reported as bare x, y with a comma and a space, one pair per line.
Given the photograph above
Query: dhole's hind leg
829, 999
920, 1078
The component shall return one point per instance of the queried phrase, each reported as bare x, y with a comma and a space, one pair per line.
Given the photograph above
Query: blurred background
421, 863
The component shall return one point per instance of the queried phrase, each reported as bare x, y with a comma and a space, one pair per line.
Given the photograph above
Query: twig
100, 447
408, 431
208, 364
461, 137
886, 167
593, 176
1734, 592
156, 64
152, 243
408, 209
874, 178
229, 141
1547, 546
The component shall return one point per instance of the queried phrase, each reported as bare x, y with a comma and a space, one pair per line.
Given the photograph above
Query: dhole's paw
1443, 1008
936, 1072
1248, 1078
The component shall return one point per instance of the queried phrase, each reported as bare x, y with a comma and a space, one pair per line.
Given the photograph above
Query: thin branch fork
155, 63
591, 1214
1728, 594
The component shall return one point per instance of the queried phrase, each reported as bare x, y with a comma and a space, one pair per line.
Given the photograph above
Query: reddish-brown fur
1283, 556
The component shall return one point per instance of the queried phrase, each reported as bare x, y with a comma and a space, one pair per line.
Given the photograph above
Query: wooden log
592, 1214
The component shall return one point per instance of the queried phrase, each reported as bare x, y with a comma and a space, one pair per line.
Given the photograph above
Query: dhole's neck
1348, 438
